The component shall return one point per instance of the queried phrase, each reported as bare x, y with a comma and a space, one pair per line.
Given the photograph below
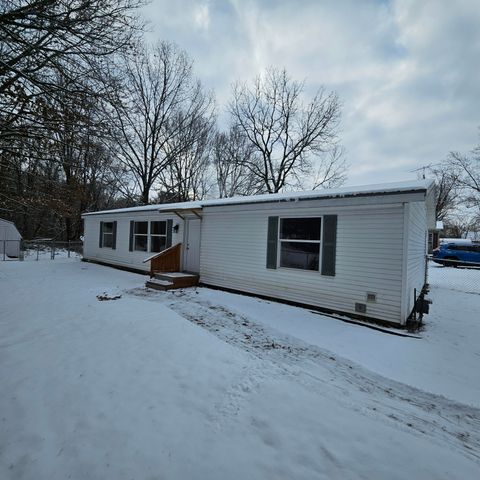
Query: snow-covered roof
362, 190
459, 241
155, 208
11, 227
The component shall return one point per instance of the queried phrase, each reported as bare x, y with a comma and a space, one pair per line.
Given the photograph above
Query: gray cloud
407, 71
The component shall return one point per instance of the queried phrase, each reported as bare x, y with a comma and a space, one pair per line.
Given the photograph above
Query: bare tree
41, 37
188, 175
457, 181
233, 155
156, 100
459, 225
52, 165
467, 168
446, 185
286, 133
331, 169
52, 178
88, 170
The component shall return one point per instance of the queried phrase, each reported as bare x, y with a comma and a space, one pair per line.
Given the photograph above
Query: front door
192, 245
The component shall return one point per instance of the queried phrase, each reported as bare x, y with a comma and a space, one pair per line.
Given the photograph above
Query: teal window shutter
100, 240
169, 232
130, 243
114, 235
329, 246
272, 242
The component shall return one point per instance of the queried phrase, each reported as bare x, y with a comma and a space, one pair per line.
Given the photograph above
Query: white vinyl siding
368, 257
121, 256
416, 244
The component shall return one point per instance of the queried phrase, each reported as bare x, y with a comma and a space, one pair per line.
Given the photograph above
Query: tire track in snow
320, 370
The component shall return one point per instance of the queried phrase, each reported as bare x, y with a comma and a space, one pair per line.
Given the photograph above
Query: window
158, 236
107, 235
140, 236
300, 240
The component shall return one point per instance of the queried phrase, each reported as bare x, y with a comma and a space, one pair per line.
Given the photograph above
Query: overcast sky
407, 71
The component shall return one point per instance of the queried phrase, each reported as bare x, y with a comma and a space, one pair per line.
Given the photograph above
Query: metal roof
362, 190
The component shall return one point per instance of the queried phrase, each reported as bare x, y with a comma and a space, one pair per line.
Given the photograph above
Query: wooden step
171, 280
179, 279
157, 284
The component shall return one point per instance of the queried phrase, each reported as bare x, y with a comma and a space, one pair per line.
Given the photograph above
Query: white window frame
140, 235
151, 235
280, 240
107, 233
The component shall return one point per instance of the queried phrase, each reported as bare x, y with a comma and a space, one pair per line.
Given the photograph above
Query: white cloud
201, 15
407, 71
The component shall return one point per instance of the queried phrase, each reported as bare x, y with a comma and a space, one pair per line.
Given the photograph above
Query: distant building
434, 236
10, 239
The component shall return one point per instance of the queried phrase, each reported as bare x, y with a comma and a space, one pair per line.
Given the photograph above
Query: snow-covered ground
445, 361
204, 384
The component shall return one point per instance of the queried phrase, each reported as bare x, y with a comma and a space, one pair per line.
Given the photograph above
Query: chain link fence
454, 275
39, 249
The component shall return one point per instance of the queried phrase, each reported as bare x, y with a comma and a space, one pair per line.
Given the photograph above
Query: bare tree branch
237, 165
287, 134
156, 102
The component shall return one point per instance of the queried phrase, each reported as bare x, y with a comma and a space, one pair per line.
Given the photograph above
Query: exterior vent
360, 307
371, 297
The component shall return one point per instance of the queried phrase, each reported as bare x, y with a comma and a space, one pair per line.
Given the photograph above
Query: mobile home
358, 251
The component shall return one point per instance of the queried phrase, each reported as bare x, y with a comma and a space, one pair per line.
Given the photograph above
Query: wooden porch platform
172, 280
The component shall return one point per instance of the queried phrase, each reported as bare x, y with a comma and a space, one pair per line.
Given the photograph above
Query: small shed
10, 239
359, 251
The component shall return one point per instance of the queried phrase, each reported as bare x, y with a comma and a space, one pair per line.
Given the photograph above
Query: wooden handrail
166, 261
159, 254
